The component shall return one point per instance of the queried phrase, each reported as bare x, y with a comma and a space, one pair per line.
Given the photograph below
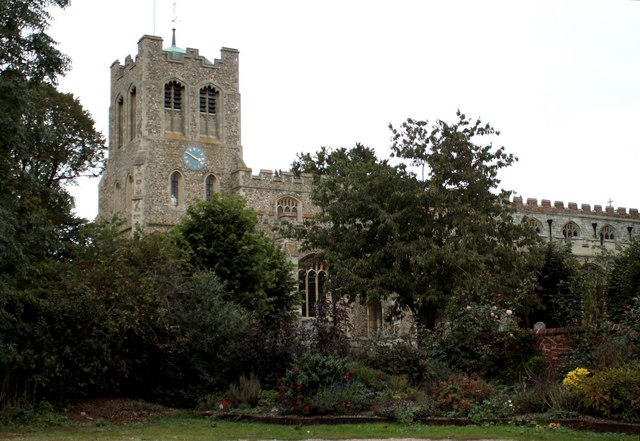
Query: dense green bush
457, 396
120, 317
320, 384
221, 235
612, 393
310, 372
624, 280
483, 340
401, 357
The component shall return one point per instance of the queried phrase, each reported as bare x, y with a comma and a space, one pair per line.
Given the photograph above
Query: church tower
174, 133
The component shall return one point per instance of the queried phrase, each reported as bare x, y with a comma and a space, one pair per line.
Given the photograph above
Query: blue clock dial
194, 158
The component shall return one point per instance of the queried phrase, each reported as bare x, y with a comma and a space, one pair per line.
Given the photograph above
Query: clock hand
194, 157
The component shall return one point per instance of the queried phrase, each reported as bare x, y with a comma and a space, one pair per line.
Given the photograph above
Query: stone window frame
570, 230
176, 189
211, 186
132, 108
311, 281
607, 233
534, 224
374, 318
129, 190
205, 101
288, 207
117, 198
209, 123
175, 114
171, 99
119, 121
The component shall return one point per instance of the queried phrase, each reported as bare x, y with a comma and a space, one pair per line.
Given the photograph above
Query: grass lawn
195, 428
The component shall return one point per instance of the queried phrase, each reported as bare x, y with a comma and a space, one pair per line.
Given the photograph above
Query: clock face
194, 158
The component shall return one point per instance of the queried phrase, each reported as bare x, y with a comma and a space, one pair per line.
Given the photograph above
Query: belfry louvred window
173, 95
208, 98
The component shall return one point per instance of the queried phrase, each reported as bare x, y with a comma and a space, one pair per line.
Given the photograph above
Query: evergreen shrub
612, 393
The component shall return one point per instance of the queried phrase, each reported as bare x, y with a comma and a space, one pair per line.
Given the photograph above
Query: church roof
175, 52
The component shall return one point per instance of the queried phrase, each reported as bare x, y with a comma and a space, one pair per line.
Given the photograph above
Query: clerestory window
533, 223
570, 230
607, 233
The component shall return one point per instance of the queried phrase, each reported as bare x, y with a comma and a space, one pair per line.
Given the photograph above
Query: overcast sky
560, 79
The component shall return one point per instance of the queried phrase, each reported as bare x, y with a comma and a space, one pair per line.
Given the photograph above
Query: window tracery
533, 223
607, 233
287, 208
570, 230
311, 280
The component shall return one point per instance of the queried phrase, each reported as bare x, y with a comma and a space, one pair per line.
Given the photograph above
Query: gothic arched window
132, 113
119, 122
173, 95
374, 317
176, 189
533, 223
607, 233
209, 111
311, 280
208, 100
287, 208
570, 230
210, 187
173, 105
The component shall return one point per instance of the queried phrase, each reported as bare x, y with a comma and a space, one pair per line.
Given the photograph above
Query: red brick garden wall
555, 343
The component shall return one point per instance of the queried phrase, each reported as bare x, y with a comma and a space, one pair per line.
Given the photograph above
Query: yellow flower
575, 378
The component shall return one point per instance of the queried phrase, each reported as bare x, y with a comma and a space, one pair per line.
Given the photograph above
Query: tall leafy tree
624, 280
47, 140
221, 235
427, 242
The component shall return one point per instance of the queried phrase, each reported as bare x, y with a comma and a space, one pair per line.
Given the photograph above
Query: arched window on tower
117, 199
311, 280
176, 189
210, 187
132, 113
129, 193
209, 111
119, 122
570, 230
173, 105
533, 223
288, 209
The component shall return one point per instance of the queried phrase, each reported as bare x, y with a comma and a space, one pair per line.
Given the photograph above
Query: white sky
560, 78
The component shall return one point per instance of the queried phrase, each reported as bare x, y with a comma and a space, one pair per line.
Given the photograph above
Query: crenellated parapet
559, 208
150, 48
277, 180
590, 230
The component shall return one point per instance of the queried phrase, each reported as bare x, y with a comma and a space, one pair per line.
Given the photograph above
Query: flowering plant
224, 405
575, 378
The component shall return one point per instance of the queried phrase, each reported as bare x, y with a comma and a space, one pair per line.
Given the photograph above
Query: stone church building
175, 138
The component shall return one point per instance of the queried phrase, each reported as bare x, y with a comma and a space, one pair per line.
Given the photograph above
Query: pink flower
468, 307
509, 312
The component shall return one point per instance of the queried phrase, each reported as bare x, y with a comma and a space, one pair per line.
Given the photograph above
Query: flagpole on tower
154, 17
